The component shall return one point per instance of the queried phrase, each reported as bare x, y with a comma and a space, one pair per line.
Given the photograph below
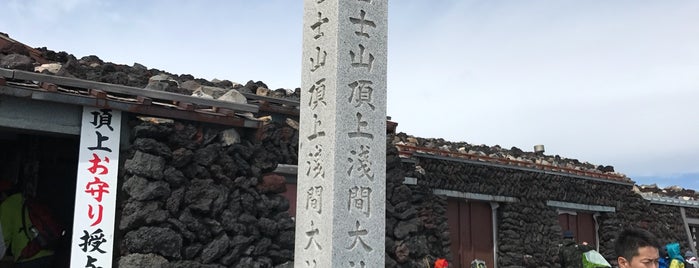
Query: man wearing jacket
15, 231
570, 254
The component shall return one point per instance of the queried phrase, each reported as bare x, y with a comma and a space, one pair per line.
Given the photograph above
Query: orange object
441, 263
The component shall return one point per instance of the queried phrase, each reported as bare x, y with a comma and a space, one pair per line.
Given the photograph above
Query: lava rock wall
193, 199
528, 230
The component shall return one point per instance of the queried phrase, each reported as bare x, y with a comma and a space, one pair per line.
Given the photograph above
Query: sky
606, 82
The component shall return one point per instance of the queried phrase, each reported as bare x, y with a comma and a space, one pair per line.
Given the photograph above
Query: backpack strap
24, 228
24, 219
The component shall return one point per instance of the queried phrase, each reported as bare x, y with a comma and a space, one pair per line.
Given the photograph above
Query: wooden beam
7, 73
98, 93
112, 88
224, 111
144, 100
131, 107
186, 106
252, 96
49, 87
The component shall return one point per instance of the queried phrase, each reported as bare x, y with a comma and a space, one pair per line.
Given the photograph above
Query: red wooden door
471, 229
582, 224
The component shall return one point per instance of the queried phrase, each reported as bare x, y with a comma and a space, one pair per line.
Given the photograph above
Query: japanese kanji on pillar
95, 193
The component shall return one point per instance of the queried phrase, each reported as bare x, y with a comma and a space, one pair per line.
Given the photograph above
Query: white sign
95, 193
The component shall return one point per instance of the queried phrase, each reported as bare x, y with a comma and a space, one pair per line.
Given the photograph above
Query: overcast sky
608, 82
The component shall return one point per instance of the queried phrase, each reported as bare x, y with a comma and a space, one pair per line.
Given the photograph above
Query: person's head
567, 234
636, 248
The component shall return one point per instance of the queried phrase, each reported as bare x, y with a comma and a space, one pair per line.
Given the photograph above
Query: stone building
510, 207
207, 171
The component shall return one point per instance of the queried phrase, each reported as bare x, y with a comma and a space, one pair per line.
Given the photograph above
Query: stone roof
408, 145
17, 56
10, 46
513, 156
672, 194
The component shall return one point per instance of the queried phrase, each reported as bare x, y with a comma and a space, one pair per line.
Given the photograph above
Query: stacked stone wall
528, 230
192, 198
214, 203
416, 225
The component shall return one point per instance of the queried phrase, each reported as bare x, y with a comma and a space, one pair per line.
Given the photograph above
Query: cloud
607, 82
47, 10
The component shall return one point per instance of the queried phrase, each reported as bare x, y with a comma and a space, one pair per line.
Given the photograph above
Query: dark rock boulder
405, 228
142, 189
215, 249
174, 177
191, 264
137, 213
162, 241
203, 196
205, 156
17, 62
146, 165
151, 146
142, 260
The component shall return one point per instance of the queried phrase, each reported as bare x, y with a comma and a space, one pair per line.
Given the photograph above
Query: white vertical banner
95, 193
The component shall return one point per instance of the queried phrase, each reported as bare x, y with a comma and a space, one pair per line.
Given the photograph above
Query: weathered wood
252, 96
281, 109
98, 93
49, 87
144, 100
224, 111
186, 105
7, 73
112, 88
151, 110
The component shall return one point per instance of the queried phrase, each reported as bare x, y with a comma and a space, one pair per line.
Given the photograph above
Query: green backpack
593, 259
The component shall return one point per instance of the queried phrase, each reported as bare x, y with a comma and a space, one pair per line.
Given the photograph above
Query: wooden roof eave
97, 98
274, 105
126, 90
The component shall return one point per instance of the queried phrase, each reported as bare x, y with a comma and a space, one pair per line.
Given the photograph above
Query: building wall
528, 230
192, 200
219, 205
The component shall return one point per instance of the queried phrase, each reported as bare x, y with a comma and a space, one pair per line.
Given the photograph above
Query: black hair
629, 241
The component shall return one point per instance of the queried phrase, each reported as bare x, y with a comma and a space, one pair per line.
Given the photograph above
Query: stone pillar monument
340, 214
